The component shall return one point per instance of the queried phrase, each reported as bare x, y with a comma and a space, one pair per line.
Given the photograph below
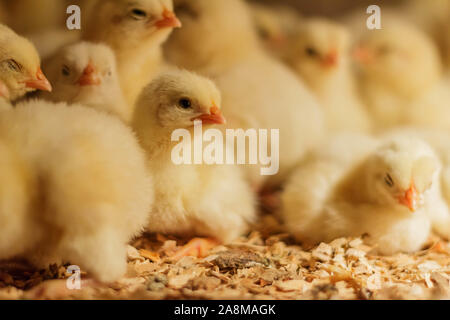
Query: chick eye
138, 14
263, 33
185, 103
389, 181
185, 8
311, 52
13, 65
383, 50
65, 71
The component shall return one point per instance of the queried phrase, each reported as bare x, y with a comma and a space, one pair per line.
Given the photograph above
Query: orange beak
409, 199
40, 83
331, 59
89, 76
4, 92
214, 117
362, 55
169, 20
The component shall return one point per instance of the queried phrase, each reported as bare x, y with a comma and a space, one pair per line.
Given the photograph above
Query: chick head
400, 58
268, 26
129, 23
177, 99
221, 25
320, 47
402, 172
20, 65
81, 67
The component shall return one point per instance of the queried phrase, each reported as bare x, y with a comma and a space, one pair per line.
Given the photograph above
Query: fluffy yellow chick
258, 92
387, 194
320, 54
75, 187
204, 200
86, 73
135, 31
275, 25
440, 141
401, 77
20, 65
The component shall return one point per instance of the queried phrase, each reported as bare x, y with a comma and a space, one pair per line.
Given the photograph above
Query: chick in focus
135, 31
203, 200
402, 80
86, 73
75, 188
258, 91
320, 54
387, 194
20, 68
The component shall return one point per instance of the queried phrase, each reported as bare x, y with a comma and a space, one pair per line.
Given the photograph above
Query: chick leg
197, 247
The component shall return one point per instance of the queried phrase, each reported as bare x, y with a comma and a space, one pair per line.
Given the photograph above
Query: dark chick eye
138, 14
13, 65
263, 33
65, 71
185, 8
384, 50
389, 181
185, 103
311, 52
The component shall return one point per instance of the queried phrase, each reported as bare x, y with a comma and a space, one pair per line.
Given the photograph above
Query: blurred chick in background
320, 53
402, 78
75, 188
387, 194
275, 25
203, 200
135, 31
258, 91
20, 65
86, 73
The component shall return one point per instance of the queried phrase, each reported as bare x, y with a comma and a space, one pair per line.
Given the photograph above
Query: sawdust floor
266, 264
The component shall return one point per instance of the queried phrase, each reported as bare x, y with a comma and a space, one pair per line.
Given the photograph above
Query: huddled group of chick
87, 117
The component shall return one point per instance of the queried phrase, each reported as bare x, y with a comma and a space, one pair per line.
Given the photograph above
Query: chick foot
197, 247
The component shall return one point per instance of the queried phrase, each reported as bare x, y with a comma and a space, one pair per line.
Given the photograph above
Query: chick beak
89, 76
362, 55
169, 20
331, 59
409, 199
4, 92
40, 83
214, 117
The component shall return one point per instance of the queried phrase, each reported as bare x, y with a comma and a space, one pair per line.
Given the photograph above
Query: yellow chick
86, 73
20, 65
135, 31
75, 187
204, 200
320, 54
387, 194
440, 141
258, 91
401, 76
